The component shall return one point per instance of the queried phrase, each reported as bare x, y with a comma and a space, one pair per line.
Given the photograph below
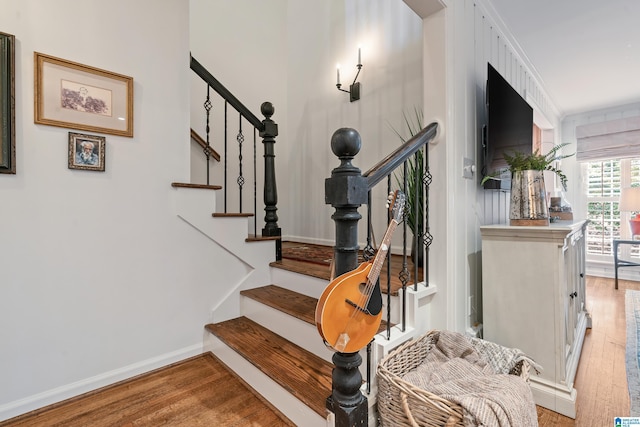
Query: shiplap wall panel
494, 46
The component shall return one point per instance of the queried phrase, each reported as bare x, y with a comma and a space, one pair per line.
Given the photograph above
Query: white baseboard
58, 394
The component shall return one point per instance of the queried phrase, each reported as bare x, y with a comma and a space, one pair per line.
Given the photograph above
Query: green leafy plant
414, 170
519, 161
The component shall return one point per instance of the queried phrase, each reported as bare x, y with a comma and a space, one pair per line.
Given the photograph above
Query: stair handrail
268, 130
397, 157
205, 75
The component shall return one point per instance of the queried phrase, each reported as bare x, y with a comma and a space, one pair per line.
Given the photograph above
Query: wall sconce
354, 88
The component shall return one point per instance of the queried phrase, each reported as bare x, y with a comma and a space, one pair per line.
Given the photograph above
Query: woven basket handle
451, 422
407, 411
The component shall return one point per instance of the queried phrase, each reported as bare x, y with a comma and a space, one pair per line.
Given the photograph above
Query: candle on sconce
338, 74
359, 56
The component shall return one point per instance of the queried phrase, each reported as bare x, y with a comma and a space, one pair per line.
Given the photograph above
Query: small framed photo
86, 152
72, 95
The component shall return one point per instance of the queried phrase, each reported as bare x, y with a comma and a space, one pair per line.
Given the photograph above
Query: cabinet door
575, 294
579, 253
568, 289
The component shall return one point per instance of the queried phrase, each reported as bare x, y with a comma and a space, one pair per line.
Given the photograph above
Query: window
606, 222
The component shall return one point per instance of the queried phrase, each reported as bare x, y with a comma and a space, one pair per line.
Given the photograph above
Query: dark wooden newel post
346, 190
268, 135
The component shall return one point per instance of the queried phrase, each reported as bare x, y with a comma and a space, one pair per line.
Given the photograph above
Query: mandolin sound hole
363, 288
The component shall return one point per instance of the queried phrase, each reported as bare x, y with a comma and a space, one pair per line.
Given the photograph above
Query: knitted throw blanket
455, 371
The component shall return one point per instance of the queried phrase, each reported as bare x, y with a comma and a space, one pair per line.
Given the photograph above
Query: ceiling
587, 52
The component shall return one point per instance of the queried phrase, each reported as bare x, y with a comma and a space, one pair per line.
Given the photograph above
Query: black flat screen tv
509, 127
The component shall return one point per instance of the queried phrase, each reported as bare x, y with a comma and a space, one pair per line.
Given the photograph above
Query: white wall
471, 34
391, 78
286, 52
99, 279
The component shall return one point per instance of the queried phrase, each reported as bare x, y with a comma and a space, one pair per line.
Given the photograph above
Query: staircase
265, 332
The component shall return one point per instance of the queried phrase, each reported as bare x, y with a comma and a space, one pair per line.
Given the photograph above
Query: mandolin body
349, 311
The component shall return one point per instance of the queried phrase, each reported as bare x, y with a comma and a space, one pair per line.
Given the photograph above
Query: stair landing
315, 261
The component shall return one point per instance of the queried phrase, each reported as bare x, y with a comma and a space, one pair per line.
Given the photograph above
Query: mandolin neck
378, 261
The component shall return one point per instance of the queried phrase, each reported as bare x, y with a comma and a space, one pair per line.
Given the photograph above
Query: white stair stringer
279, 397
195, 207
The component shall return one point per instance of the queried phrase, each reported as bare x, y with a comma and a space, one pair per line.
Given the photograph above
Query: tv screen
509, 127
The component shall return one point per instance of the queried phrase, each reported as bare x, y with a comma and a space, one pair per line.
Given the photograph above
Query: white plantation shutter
606, 222
614, 139
603, 193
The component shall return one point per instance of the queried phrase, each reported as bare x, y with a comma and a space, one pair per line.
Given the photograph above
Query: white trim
58, 394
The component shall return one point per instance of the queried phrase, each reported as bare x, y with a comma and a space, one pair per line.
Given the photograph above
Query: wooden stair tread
231, 215
307, 268
295, 304
301, 373
202, 186
254, 238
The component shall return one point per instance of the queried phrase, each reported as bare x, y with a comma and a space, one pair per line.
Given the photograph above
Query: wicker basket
403, 404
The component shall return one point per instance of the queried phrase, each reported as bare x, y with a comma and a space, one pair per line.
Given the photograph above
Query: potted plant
528, 205
414, 180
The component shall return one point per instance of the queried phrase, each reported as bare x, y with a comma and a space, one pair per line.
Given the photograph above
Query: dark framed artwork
86, 152
7, 104
76, 96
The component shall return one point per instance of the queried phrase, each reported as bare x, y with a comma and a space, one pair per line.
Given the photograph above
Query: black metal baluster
428, 237
240, 179
418, 196
226, 153
255, 184
368, 251
389, 268
404, 273
207, 108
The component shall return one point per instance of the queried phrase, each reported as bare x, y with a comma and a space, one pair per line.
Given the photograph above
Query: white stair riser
295, 330
284, 401
306, 285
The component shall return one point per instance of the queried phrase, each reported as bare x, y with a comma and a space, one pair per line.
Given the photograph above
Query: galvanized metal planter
528, 199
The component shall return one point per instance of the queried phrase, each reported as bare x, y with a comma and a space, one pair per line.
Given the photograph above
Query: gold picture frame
86, 152
7, 104
77, 96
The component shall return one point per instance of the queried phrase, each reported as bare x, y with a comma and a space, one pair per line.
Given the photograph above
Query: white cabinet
533, 298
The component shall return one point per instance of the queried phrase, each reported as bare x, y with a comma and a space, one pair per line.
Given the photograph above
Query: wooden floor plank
601, 381
200, 391
303, 374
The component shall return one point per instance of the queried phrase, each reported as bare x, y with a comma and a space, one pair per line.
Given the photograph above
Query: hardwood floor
601, 380
196, 392
200, 391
